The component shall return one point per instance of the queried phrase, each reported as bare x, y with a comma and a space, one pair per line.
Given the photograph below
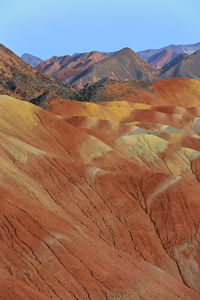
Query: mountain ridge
64, 68
187, 49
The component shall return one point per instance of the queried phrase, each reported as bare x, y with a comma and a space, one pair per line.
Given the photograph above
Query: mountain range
159, 58
178, 49
81, 69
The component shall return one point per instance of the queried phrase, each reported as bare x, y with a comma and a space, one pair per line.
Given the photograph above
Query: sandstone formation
99, 201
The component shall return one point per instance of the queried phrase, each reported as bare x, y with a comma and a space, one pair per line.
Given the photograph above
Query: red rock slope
86, 216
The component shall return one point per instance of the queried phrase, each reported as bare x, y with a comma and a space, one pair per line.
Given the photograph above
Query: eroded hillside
99, 200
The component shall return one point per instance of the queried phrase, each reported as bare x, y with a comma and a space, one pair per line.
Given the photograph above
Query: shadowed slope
188, 67
22, 81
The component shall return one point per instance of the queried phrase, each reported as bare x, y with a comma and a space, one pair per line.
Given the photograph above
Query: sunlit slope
81, 219
159, 138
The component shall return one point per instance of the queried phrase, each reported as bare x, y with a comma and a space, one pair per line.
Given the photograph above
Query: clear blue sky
58, 27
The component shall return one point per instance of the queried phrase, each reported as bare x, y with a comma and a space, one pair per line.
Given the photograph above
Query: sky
59, 27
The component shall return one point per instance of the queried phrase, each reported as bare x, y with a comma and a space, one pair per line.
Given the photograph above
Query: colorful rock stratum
101, 201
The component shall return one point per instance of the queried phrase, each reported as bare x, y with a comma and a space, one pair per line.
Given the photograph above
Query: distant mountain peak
126, 49
30, 59
80, 69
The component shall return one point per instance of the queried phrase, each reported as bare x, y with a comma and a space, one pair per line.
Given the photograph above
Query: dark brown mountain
64, 67
22, 81
124, 65
31, 60
188, 67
